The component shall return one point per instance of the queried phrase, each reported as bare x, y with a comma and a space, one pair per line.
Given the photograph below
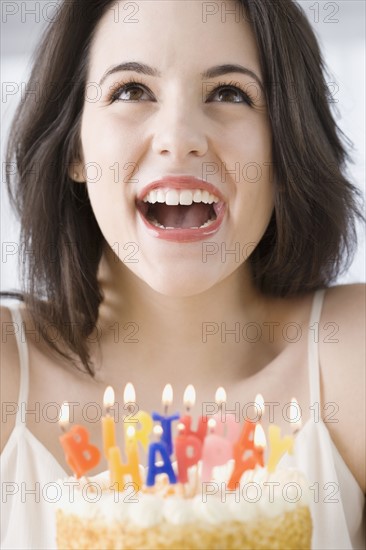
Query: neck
206, 327
127, 297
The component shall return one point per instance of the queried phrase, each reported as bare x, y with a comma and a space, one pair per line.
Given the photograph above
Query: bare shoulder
342, 361
9, 374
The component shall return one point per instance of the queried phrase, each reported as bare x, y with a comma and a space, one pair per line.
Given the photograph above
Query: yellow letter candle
118, 470
278, 446
136, 418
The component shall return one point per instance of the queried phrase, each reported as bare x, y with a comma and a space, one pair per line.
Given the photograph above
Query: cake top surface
260, 494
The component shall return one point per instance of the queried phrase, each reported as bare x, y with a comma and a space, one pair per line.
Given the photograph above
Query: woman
138, 111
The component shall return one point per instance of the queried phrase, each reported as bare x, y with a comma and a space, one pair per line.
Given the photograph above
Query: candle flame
259, 437
167, 397
259, 401
189, 397
220, 396
211, 423
108, 398
295, 414
64, 414
129, 395
157, 430
130, 431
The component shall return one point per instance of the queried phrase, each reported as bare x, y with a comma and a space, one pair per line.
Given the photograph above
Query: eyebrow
217, 70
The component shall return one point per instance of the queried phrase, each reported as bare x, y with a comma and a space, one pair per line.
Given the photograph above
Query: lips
181, 208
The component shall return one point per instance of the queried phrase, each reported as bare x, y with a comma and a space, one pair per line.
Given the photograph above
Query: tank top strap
313, 346
23, 359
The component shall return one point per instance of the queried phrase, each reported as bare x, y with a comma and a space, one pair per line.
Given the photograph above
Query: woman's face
177, 123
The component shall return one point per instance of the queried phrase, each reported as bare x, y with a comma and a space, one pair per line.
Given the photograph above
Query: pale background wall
340, 27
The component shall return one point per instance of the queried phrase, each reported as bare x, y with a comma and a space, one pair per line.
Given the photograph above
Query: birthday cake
265, 511
207, 488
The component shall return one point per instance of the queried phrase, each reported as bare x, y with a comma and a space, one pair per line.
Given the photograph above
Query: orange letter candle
80, 455
246, 443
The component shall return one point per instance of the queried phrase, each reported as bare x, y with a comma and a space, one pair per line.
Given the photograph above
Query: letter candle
183, 442
232, 426
278, 446
118, 471
216, 451
132, 419
80, 455
108, 425
247, 444
189, 399
166, 421
153, 468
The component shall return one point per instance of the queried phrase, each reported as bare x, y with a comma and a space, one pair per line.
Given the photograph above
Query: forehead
173, 35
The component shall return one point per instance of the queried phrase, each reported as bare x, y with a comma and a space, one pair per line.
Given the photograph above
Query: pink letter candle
216, 451
226, 424
182, 444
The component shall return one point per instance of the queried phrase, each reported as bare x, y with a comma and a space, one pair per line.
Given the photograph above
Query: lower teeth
157, 224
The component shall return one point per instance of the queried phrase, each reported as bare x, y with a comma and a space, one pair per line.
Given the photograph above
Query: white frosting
260, 495
148, 511
178, 510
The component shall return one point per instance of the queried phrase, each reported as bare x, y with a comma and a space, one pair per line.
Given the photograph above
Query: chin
180, 285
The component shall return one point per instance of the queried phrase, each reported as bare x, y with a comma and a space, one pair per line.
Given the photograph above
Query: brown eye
128, 92
226, 91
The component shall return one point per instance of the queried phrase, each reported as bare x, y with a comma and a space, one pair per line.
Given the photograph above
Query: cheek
108, 139
109, 151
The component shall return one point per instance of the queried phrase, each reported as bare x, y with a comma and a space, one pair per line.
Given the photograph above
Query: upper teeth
186, 197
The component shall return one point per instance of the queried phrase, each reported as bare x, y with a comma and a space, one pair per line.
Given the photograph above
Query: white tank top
29, 472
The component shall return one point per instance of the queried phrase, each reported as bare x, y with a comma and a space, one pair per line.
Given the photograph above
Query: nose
179, 132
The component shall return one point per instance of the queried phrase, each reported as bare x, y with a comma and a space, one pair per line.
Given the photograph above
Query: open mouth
171, 209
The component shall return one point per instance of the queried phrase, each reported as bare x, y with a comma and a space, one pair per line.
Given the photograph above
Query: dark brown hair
311, 235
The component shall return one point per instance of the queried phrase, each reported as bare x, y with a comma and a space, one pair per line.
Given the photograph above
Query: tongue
181, 216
